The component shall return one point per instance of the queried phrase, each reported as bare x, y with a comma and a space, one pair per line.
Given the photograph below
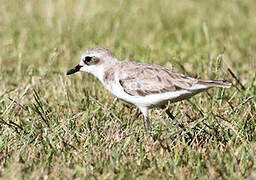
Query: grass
54, 126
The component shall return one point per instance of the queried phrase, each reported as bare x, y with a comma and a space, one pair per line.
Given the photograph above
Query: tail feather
215, 83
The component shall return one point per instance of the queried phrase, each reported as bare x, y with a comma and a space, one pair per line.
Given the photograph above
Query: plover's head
94, 61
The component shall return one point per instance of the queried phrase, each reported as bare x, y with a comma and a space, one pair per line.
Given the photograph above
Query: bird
145, 85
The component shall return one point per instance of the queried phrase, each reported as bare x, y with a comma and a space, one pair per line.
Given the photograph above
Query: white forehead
98, 52
90, 54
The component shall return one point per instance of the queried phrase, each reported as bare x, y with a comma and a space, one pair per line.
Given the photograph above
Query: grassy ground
54, 126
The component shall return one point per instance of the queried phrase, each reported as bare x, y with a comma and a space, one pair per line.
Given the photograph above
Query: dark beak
74, 70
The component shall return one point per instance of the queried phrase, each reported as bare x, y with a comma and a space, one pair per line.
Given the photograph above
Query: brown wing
140, 79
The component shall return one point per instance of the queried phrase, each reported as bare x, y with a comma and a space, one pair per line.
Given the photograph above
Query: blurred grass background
54, 126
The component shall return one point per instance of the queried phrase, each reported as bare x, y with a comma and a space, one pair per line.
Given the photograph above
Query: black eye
87, 60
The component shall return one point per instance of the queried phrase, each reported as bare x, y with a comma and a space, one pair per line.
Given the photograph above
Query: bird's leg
148, 124
175, 122
144, 111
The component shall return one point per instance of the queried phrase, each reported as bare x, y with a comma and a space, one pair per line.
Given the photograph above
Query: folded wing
139, 79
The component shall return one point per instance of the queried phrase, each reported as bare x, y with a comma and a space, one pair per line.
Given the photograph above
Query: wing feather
138, 79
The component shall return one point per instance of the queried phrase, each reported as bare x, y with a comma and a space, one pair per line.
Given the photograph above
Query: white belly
149, 100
